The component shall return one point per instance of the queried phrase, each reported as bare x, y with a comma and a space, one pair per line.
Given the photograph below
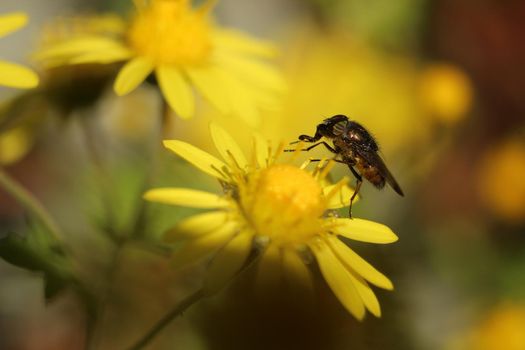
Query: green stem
35, 208
138, 229
102, 307
29, 202
159, 326
92, 142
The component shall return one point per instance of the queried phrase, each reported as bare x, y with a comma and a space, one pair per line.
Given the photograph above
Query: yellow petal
261, 150
366, 293
198, 158
237, 41
268, 100
247, 69
298, 276
227, 146
196, 226
132, 75
242, 100
12, 22
176, 91
210, 82
268, 270
341, 198
199, 248
339, 279
186, 198
79, 46
17, 76
363, 230
102, 57
14, 144
353, 261
228, 262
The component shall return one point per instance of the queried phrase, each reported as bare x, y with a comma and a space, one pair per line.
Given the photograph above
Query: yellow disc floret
284, 204
171, 32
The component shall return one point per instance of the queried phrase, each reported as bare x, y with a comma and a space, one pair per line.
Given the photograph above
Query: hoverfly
354, 146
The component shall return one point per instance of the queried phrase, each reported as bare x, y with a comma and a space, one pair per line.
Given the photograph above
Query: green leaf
48, 260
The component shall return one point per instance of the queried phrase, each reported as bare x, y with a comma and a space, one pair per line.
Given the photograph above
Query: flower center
171, 32
284, 203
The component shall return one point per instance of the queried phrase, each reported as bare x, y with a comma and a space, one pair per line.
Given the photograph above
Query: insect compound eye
335, 119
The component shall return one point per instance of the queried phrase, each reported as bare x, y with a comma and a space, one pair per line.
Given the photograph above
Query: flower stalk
178, 310
30, 203
284, 205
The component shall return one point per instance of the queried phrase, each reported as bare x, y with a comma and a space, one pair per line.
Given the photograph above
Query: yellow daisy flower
11, 74
499, 328
280, 210
505, 161
63, 29
185, 50
14, 145
446, 92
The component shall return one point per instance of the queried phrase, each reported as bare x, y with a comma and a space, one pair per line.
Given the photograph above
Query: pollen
171, 32
285, 204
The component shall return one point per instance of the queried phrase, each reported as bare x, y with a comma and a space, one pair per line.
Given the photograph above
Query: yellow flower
327, 74
14, 145
330, 75
446, 92
283, 212
500, 180
184, 49
11, 74
501, 328
63, 29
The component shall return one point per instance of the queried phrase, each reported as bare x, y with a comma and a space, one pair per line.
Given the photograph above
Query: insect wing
376, 161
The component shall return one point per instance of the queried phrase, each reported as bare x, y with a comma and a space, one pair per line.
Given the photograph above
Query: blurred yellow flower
184, 49
446, 92
500, 180
14, 144
279, 210
502, 328
329, 74
11, 74
78, 26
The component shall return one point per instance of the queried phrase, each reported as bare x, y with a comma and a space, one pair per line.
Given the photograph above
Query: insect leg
307, 138
311, 139
357, 188
356, 191
330, 148
355, 173
318, 160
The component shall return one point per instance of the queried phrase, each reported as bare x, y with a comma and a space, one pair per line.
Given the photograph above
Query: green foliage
391, 24
36, 251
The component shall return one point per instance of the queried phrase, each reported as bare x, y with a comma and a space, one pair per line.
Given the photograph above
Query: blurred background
439, 83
